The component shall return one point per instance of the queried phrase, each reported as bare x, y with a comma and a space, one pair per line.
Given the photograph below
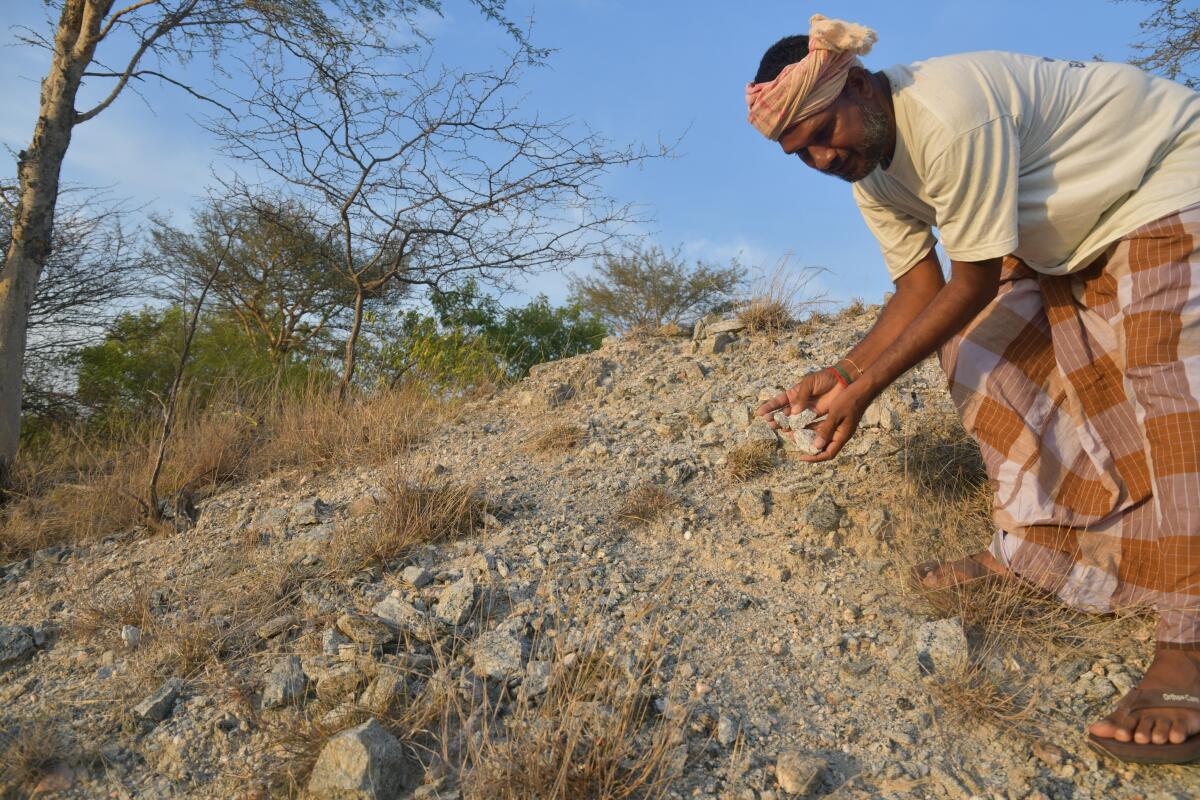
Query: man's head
847, 134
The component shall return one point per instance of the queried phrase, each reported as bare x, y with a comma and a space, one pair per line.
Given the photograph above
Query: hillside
593, 583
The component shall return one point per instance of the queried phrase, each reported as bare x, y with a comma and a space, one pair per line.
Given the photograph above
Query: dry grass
595, 733
749, 460
556, 439
29, 748
427, 510
70, 490
645, 504
778, 298
946, 513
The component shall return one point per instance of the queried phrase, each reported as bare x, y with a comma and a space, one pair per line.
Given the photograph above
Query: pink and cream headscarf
810, 85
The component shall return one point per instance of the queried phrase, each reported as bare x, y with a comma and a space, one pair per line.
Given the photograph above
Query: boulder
362, 763
16, 644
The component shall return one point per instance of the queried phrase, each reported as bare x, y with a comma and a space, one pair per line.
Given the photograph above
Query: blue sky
632, 71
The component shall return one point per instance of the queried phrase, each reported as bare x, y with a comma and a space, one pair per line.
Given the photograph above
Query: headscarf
810, 85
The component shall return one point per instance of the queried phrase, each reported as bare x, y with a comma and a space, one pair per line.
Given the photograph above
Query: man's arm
914, 291
971, 287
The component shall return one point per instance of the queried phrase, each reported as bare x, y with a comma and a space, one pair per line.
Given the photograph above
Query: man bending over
1067, 197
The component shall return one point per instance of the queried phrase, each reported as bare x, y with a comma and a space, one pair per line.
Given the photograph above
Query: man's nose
822, 157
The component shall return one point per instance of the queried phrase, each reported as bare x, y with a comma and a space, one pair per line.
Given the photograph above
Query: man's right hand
816, 390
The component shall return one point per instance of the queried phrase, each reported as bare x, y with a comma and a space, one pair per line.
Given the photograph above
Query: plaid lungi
1083, 391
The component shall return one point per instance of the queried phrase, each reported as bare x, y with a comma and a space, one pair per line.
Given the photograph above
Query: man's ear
858, 81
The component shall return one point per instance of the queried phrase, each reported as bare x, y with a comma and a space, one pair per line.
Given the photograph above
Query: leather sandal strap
1165, 698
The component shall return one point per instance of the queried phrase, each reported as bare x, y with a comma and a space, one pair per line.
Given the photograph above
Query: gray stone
363, 763
309, 511
558, 394
941, 647
331, 640
131, 636
823, 514
401, 614
724, 326
716, 345
537, 678
16, 644
365, 630
727, 730
384, 691
456, 601
801, 440
313, 540
754, 504
417, 577
270, 521
338, 681
498, 655
159, 705
286, 684
797, 773
760, 431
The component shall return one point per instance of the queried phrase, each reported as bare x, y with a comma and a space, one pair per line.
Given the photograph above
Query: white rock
941, 647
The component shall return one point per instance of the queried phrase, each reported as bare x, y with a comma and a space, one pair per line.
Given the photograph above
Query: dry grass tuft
29, 748
749, 460
778, 298
428, 510
595, 733
814, 324
557, 439
646, 503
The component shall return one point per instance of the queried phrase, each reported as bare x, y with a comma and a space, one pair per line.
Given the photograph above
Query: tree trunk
352, 344
38, 171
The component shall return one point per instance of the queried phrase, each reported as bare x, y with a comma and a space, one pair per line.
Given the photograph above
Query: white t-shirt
1047, 160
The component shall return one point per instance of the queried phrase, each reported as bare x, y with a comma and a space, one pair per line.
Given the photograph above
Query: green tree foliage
471, 340
645, 286
131, 370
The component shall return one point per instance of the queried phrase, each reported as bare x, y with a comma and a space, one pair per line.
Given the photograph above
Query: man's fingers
798, 397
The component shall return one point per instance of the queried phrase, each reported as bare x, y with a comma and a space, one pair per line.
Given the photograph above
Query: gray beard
875, 129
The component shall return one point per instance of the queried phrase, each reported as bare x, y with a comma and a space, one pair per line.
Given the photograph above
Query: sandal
1186, 752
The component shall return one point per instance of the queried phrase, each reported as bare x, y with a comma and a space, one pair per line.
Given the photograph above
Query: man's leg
1003, 378
1156, 282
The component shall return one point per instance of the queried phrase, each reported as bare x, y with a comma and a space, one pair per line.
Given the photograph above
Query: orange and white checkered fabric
1083, 391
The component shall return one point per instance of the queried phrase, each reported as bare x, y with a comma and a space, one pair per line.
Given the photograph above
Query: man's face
847, 140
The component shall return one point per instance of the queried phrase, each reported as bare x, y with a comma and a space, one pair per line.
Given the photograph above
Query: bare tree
1170, 40
280, 277
429, 177
148, 39
92, 267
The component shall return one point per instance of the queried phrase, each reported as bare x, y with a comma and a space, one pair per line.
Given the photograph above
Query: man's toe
1145, 727
1161, 731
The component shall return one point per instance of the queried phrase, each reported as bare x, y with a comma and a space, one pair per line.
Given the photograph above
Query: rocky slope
754, 637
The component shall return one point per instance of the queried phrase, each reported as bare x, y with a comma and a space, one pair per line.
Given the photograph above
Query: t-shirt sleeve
973, 188
903, 239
